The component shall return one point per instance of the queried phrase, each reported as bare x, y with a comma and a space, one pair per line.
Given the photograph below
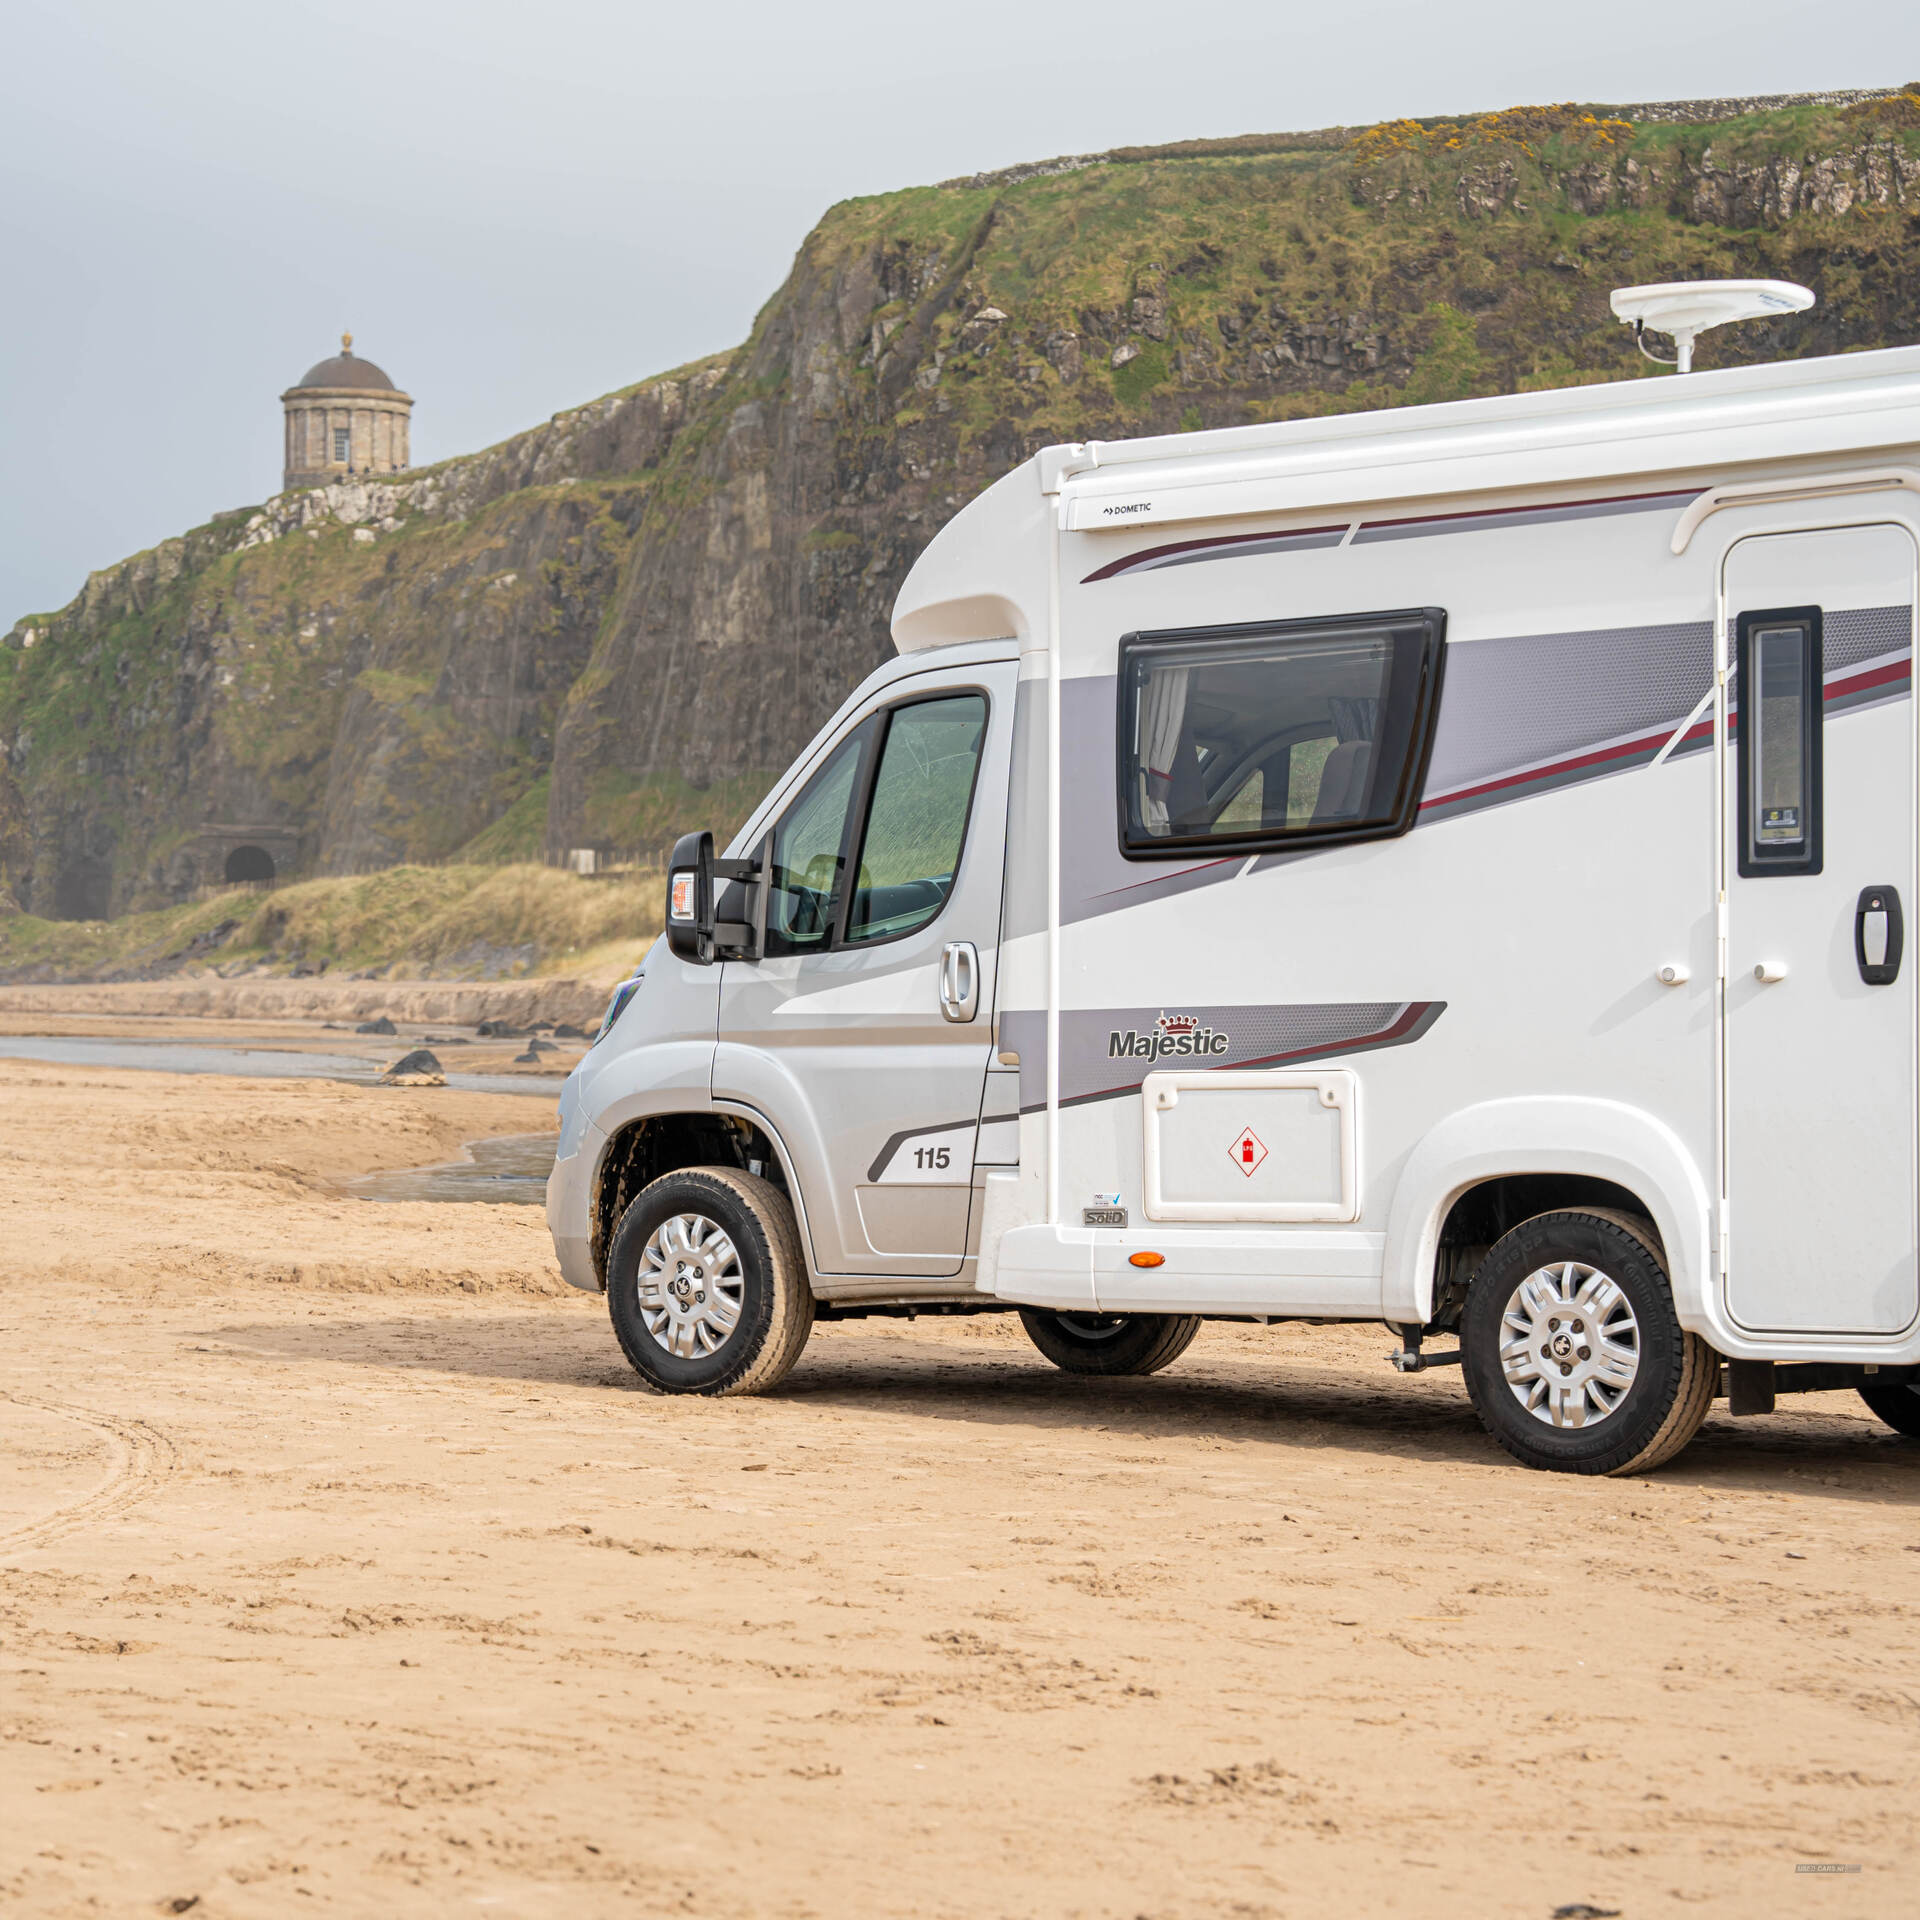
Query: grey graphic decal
1606, 702
896, 1141
1091, 1068
1521, 715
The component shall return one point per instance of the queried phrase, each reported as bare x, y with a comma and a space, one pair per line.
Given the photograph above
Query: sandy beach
343, 1568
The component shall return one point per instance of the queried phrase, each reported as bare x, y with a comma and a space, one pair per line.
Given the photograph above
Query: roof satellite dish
1685, 308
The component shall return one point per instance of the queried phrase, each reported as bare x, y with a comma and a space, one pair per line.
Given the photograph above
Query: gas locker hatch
1262, 1144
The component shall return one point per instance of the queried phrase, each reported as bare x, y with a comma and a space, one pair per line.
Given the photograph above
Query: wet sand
203, 994
460, 1050
344, 1569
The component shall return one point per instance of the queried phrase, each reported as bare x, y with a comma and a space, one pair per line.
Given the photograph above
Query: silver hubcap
690, 1286
1569, 1344
1093, 1326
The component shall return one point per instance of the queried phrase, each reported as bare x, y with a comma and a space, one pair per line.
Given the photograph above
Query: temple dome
345, 369
344, 421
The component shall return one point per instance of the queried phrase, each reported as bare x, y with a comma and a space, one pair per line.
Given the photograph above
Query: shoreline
562, 999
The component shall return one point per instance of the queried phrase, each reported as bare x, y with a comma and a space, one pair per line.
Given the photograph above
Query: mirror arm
741, 938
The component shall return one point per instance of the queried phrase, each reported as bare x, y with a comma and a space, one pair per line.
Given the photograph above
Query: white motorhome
1441, 867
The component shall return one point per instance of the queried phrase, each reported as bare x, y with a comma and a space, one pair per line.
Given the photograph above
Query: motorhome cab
1444, 867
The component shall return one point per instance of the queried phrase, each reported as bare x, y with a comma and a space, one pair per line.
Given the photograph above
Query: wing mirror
704, 927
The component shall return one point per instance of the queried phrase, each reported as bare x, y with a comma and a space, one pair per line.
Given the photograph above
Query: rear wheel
1110, 1343
1576, 1361
706, 1284
1897, 1403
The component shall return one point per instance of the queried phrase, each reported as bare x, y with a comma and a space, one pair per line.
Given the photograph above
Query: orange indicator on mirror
1146, 1259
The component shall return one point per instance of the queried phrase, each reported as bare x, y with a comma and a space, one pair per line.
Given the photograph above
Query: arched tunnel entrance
249, 864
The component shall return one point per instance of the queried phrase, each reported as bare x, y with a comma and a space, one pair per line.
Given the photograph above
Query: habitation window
1290, 733
1778, 687
342, 445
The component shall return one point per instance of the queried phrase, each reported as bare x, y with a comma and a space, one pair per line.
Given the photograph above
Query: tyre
1575, 1359
706, 1284
1897, 1403
1110, 1343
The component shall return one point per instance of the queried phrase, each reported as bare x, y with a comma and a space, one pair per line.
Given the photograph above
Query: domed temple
344, 419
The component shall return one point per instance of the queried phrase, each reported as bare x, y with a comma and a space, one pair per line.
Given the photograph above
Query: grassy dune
453, 922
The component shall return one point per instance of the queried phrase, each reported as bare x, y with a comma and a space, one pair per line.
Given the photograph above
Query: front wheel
1110, 1343
706, 1284
1576, 1361
1897, 1403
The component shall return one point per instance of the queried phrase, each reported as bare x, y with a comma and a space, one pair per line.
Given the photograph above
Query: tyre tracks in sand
139, 1458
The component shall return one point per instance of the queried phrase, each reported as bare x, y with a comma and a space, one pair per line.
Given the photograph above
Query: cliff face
623, 623
351, 677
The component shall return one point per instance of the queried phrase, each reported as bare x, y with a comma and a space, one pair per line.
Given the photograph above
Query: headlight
618, 1005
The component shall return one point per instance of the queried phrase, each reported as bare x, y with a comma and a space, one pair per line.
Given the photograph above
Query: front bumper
570, 1204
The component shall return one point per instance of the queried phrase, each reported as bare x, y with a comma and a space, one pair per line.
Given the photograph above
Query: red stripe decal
1220, 542
1538, 506
1177, 873
1889, 673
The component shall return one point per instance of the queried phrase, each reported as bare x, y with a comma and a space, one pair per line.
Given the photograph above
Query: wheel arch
1562, 1151
646, 1146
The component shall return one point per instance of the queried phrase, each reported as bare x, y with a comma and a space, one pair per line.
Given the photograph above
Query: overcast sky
517, 207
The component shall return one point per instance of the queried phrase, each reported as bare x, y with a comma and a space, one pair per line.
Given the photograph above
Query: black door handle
1878, 935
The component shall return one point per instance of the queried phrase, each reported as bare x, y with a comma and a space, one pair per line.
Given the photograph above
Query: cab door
1820, 1036
865, 1031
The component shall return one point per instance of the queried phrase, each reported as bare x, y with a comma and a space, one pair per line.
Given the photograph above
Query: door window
917, 820
1778, 682
1296, 733
806, 857
900, 787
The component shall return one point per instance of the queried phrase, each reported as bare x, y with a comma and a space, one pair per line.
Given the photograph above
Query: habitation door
1819, 851
865, 1031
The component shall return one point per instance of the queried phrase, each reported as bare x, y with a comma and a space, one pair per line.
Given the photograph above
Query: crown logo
1172, 1023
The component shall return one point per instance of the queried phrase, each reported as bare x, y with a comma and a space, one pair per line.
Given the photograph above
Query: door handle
959, 981
1878, 935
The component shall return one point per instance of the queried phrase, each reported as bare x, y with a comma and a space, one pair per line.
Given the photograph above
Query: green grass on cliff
1473, 255
452, 922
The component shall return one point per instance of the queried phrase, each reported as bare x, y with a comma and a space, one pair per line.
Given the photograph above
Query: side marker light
1146, 1259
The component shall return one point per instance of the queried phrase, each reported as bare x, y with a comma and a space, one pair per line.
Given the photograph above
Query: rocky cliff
623, 622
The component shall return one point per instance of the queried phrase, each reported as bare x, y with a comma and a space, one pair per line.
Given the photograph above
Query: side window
1301, 732
900, 787
917, 820
1778, 685
806, 856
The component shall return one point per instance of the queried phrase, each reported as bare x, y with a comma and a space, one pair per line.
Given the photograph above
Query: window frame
1144, 646
853, 831
1813, 726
